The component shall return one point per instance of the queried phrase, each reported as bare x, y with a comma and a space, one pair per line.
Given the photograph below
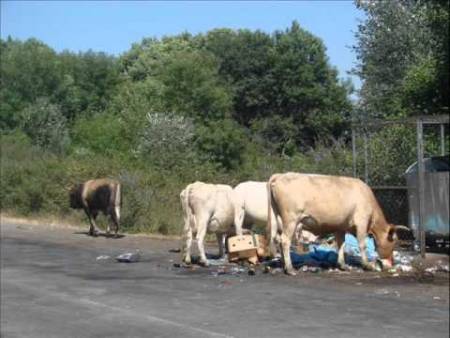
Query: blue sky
112, 26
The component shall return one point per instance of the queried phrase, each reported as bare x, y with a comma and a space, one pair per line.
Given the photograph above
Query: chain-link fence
383, 151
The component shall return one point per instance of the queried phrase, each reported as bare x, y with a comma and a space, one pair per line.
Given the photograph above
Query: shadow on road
100, 234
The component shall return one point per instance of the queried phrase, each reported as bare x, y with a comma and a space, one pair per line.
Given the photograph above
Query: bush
44, 123
100, 134
166, 140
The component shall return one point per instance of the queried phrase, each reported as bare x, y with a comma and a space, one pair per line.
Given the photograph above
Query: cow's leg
286, 239
340, 243
92, 215
273, 238
361, 234
108, 227
187, 239
115, 217
221, 241
238, 217
187, 243
200, 242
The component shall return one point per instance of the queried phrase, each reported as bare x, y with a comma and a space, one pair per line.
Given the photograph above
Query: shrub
44, 123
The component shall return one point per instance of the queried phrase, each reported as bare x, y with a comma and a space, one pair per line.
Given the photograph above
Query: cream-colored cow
206, 208
251, 209
328, 204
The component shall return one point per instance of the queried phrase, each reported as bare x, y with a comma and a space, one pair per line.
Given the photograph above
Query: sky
112, 26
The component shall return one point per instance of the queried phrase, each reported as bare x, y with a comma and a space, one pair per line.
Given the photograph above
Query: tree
284, 75
28, 70
402, 48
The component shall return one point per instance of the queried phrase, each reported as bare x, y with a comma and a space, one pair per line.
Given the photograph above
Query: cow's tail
187, 212
117, 200
271, 210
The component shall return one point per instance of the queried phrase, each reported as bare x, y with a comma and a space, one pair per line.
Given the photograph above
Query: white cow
206, 208
251, 208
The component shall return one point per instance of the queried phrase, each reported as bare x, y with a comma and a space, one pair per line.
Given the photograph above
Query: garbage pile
322, 254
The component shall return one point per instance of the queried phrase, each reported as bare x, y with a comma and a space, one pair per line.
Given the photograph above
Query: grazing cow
98, 195
206, 208
328, 204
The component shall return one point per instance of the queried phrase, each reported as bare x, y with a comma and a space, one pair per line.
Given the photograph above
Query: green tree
402, 48
285, 75
28, 70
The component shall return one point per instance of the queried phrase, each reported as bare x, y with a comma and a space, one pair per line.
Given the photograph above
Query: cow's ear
392, 235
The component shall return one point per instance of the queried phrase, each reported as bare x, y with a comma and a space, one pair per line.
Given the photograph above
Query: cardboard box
242, 247
242, 243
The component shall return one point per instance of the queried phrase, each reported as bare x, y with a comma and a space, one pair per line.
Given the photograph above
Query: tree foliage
403, 54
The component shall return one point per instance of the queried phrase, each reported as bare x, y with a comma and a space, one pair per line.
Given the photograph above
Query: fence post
420, 185
442, 139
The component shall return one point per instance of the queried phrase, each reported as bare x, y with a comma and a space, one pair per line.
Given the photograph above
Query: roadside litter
102, 257
129, 257
324, 256
246, 251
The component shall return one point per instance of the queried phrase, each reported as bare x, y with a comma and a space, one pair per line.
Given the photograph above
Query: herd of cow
287, 205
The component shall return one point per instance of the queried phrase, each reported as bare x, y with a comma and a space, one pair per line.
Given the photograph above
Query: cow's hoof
343, 267
290, 272
369, 267
186, 260
203, 263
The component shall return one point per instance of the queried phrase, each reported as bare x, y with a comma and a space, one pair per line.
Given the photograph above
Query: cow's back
328, 200
212, 201
99, 194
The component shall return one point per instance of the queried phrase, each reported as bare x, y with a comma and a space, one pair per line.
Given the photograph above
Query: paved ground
52, 285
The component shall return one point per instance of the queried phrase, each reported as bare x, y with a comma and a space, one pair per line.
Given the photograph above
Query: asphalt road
52, 285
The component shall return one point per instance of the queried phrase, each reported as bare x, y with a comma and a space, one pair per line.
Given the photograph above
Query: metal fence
383, 150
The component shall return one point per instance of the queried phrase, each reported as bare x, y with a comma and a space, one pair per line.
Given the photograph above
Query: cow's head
386, 239
75, 196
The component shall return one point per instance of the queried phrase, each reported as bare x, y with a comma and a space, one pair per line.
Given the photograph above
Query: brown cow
98, 195
328, 204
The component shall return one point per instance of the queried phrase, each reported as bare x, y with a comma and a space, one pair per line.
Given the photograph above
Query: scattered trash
436, 298
102, 257
176, 265
382, 292
359, 283
405, 268
129, 257
175, 250
227, 270
397, 294
440, 267
218, 262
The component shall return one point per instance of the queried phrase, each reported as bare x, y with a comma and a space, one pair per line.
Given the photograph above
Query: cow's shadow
100, 234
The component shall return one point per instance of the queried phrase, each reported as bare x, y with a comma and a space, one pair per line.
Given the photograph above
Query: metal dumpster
436, 202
